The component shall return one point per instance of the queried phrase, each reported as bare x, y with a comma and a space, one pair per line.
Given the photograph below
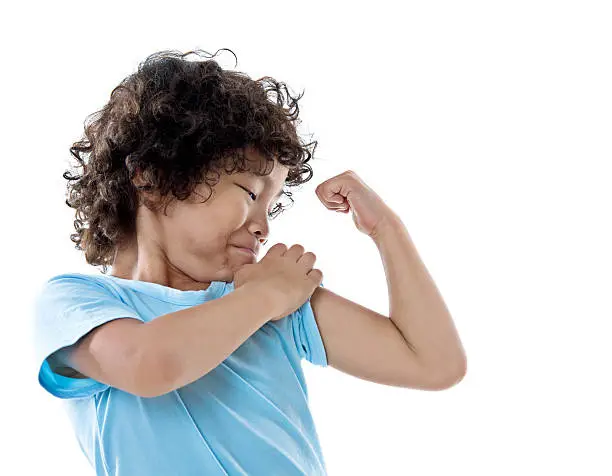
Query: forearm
416, 307
185, 345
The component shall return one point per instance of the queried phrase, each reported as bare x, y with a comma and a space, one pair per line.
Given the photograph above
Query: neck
125, 262
130, 264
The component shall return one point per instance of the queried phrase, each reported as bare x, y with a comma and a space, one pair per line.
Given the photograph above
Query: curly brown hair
175, 121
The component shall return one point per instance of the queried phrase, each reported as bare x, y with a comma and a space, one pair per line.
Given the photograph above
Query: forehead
261, 168
259, 164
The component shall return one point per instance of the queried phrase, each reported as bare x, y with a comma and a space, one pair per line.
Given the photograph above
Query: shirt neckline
173, 295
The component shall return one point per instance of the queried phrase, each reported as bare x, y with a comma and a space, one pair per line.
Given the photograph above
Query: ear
142, 184
138, 180
148, 197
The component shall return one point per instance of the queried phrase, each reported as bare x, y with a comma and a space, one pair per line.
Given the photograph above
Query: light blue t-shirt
248, 416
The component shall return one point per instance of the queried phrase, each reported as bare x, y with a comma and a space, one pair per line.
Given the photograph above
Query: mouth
246, 251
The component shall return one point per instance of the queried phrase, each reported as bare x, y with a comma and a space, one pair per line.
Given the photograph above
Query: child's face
197, 241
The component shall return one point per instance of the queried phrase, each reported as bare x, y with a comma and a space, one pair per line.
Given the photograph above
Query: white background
484, 125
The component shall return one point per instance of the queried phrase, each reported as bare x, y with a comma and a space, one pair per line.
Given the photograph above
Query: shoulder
67, 291
74, 281
73, 277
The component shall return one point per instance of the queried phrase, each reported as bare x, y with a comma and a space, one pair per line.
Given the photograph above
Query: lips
246, 250
248, 247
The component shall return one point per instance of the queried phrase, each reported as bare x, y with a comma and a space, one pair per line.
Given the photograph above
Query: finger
307, 259
295, 251
277, 249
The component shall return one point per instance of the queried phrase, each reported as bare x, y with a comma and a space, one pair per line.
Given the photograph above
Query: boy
186, 358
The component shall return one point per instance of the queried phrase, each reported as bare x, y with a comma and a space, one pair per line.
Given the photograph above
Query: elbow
450, 378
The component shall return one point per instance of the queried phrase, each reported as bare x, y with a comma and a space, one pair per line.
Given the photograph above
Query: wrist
262, 299
388, 223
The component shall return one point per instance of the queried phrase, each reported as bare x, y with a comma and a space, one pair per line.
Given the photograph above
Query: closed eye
271, 214
254, 196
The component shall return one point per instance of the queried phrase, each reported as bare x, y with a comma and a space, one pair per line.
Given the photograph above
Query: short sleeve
306, 334
66, 308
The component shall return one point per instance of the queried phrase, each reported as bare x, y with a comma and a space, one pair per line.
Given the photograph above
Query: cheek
201, 240
197, 239
201, 233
